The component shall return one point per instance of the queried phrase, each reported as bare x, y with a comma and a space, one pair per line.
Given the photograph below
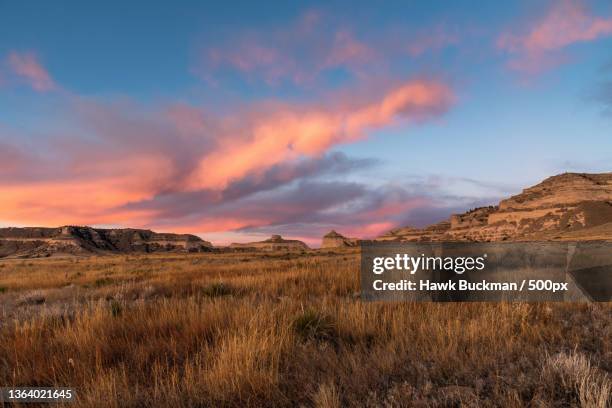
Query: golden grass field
249, 329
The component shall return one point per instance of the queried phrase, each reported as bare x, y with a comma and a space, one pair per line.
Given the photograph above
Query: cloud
346, 50
310, 205
305, 51
568, 22
26, 66
181, 167
11, 159
314, 207
310, 208
356, 209
173, 205
330, 164
287, 133
297, 53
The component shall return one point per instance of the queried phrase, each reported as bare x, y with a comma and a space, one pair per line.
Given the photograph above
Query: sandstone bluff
335, 240
569, 206
72, 240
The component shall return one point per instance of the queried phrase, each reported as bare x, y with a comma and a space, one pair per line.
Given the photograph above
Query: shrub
571, 377
312, 324
327, 396
35, 297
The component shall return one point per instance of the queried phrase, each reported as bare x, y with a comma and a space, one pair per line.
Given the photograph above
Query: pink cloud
369, 230
347, 50
186, 169
287, 133
272, 56
26, 66
567, 22
314, 44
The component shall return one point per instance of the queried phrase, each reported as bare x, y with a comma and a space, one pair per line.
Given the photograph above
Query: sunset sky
237, 120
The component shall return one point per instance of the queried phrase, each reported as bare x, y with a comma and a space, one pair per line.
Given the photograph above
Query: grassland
249, 329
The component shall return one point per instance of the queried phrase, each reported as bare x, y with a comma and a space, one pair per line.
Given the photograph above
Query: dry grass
284, 330
573, 376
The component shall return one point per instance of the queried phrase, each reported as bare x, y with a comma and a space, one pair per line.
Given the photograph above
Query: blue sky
238, 120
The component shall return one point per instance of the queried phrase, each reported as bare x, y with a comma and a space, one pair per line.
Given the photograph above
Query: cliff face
43, 242
274, 243
561, 207
432, 233
563, 189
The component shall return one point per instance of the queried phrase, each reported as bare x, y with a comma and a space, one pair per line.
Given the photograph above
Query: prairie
279, 329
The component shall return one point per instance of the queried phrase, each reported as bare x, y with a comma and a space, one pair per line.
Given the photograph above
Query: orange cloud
26, 66
65, 202
188, 170
86, 200
567, 23
288, 134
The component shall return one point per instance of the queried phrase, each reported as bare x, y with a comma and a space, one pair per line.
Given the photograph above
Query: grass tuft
312, 324
571, 377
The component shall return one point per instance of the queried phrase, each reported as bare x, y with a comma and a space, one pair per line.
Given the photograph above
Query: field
249, 329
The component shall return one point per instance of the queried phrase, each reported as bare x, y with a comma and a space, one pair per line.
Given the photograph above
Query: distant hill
335, 240
274, 243
73, 240
569, 206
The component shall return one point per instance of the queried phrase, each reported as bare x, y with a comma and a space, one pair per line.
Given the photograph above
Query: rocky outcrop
73, 240
431, 233
560, 207
274, 243
564, 189
334, 240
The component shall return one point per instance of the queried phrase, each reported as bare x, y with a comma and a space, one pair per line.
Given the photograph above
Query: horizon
294, 119
312, 242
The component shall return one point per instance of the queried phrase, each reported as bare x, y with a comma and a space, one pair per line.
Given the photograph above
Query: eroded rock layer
335, 240
72, 240
566, 206
274, 243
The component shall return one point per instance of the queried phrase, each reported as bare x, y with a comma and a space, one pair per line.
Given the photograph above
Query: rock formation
566, 206
43, 242
334, 240
434, 232
274, 243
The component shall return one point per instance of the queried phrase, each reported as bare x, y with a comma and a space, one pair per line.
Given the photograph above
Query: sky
238, 120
